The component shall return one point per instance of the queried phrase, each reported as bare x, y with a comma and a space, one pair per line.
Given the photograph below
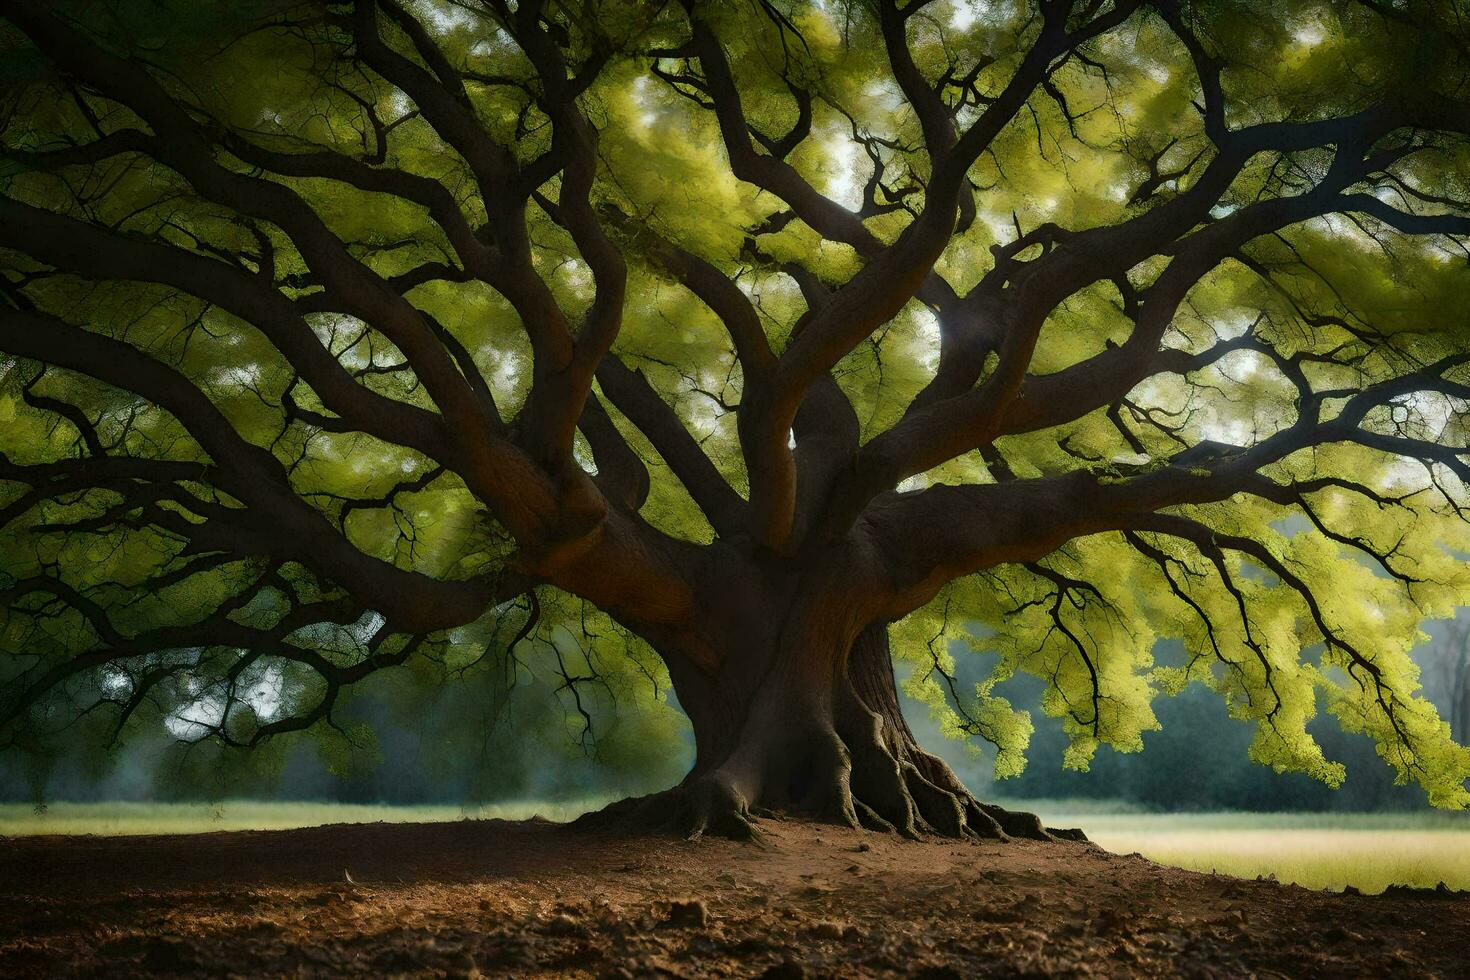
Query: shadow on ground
535, 899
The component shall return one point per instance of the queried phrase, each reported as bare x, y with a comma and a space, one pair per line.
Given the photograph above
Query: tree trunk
818, 736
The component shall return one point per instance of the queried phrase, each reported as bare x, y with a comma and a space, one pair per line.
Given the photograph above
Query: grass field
1317, 850
1369, 851
17, 819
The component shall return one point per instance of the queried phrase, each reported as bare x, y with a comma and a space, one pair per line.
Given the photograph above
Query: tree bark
815, 733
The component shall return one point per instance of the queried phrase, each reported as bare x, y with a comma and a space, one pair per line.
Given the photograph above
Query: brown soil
534, 899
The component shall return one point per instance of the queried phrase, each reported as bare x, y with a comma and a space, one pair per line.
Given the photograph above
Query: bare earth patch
535, 899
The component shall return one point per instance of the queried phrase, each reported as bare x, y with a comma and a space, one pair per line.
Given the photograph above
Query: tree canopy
467, 336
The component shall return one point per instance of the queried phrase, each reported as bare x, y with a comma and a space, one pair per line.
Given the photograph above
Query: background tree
723, 336
1449, 673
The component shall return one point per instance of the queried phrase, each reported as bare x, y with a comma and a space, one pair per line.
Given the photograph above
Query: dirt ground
536, 900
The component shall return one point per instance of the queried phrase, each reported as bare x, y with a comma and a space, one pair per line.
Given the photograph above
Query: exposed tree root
915, 796
896, 780
897, 786
699, 806
855, 762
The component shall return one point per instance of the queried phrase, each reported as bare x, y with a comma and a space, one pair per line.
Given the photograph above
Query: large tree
763, 341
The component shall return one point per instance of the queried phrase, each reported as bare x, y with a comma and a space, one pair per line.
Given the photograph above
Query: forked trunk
818, 734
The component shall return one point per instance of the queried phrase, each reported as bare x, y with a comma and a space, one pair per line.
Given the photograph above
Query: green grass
1369, 860
1369, 851
1318, 850
20, 819
1228, 820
